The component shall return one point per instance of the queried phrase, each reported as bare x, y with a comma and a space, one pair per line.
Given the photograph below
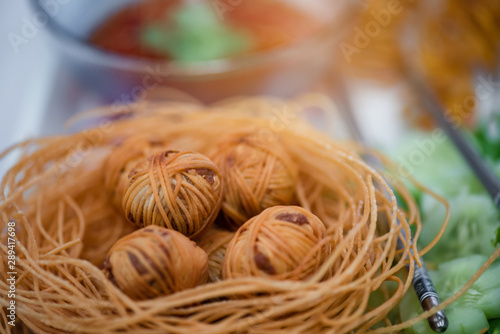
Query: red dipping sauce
270, 24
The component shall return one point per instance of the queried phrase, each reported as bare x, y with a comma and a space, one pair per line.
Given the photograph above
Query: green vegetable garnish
195, 33
487, 138
494, 326
496, 242
474, 218
496, 331
379, 297
469, 314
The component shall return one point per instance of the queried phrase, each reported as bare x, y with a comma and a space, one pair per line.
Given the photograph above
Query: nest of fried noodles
66, 223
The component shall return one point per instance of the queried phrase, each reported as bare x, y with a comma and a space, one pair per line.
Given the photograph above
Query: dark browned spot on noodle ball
153, 264
162, 246
109, 272
136, 263
132, 220
264, 264
164, 250
164, 233
149, 229
156, 142
206, 173
167, 153
296, 218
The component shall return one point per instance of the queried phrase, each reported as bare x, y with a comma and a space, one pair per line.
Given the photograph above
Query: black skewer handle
426, 293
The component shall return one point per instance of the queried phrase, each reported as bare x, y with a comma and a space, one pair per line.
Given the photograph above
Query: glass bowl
281, 72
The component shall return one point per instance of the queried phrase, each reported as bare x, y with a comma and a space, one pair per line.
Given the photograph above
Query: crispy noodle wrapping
66, 223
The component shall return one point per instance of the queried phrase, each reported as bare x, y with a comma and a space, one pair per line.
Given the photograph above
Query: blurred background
29, 70
51, 70
60, 57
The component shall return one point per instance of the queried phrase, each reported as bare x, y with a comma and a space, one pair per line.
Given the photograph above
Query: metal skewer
422, 283
489, 180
